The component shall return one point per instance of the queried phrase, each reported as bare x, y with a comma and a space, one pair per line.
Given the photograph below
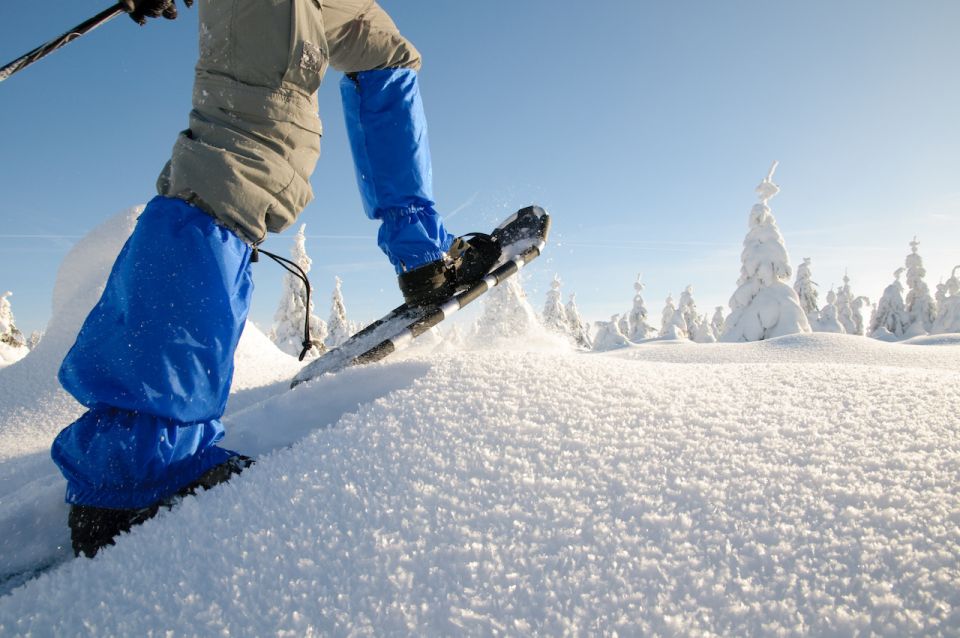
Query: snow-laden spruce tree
554, 314
830, 317
688, 310
921, 309
764, 305
13, 346
35, 338
672, 325
844, 305
639, 329
889, 319
609, 335
579, 328
859, 325
948, 312
506, 314
806, 289
703, 331
716, 324
338, 326
288, 320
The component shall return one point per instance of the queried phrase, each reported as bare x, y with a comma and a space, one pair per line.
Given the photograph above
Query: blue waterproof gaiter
388, 137
153, 361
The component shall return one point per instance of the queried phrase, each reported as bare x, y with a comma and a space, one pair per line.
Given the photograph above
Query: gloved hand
140, 10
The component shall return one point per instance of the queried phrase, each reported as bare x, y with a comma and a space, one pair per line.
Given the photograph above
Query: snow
805, 484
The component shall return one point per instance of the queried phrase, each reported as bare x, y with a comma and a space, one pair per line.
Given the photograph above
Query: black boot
93, 528
469, 259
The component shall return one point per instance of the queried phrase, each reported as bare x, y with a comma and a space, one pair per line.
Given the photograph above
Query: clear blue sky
642, 126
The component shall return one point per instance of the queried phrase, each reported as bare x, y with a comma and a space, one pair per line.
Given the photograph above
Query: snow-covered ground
802, 485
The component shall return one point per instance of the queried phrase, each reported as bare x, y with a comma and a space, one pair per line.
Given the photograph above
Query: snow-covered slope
803, 485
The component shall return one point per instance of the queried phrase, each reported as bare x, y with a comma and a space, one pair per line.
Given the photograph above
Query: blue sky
643, 127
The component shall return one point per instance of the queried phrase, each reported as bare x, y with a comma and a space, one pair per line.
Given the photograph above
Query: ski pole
51, 46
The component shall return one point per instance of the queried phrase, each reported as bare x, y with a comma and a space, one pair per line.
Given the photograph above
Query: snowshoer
153, 361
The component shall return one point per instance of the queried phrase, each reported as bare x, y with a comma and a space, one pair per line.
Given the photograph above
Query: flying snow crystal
338, 326
639, 329
506, 314
889, 319
579, 328
13, 346
672, 325
807, 292
830, 317
609, 336
921, 309
764, 305
292, 310
554, 314
948, 311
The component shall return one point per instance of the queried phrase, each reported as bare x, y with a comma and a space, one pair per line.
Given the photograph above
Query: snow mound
559, 494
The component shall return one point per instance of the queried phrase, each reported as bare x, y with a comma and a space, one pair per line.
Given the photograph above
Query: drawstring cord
299, 273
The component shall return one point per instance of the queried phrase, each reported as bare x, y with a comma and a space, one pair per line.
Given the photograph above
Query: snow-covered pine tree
639, 329
288, 321
829, 316
13, 346
844, 305
716, 324
859, 325
921, 309
890, 317
672, 325
609, 336
764, 305
35, 338
688, 310
948, 312
703, 332
506, 314
578, 327
806, 290
338, 326
554, 314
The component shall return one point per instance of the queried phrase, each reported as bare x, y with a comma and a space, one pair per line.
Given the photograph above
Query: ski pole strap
294, 269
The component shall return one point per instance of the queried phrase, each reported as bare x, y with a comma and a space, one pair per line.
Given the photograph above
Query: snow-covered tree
764, 305
859, 325
609, 336
844, 305
639, 329
35, 338
716, 324
554, 314
578, 327
506, 313
338, 325
688, 310
13, 346
948, 312
672, 325
830, 317
806, 290
890, 317
921, 309
703, 331
289, 319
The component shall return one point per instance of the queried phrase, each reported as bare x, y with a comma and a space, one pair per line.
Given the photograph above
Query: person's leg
153, 362
387, 130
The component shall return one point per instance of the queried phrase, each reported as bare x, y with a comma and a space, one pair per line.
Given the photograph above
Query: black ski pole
51, 46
